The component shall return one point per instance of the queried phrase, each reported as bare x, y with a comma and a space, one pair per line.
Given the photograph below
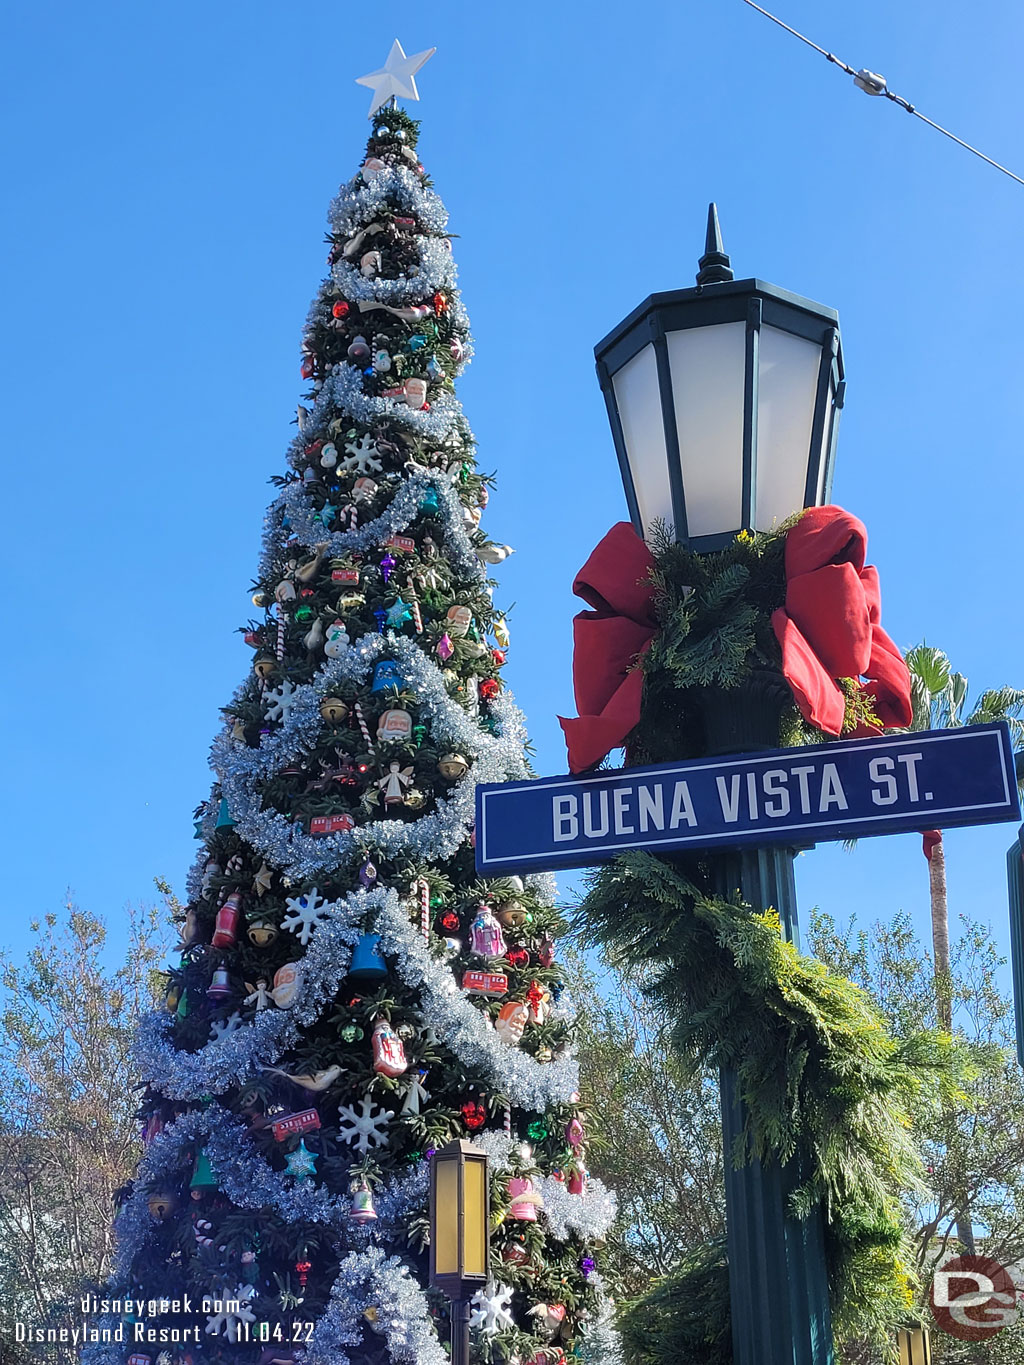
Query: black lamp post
724, 405
459, 1241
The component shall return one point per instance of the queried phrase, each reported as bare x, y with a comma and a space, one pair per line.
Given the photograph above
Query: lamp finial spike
714, 267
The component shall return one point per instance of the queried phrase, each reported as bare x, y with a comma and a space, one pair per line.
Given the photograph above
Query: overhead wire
873, 84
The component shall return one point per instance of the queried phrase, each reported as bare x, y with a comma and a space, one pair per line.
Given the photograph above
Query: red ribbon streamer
829, 627
607, 643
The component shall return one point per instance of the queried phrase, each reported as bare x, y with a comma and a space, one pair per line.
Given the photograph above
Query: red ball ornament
306, 592
340, 309
440, 304
515, 1254
307, 368
489, 688
499, 656
450, 921
518, 957
474, 1115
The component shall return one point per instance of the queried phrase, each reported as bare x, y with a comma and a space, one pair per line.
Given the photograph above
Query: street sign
854, 788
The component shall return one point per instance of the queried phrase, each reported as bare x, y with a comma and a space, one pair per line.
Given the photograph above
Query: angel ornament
260, 996
395, 783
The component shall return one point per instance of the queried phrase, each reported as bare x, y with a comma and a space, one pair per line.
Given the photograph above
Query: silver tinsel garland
446, 1008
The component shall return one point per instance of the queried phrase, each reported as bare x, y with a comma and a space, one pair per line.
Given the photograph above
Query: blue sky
166, 174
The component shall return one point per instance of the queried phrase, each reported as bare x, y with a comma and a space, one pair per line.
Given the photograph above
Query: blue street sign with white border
854, 788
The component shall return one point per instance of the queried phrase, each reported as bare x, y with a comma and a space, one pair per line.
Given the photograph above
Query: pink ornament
485, 934
525, 1200
574, 1132
445, 648
388, 1050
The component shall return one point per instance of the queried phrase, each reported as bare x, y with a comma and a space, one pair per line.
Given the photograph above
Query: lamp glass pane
787, 381
446, 1216
707, 385
475, 1231
639, 403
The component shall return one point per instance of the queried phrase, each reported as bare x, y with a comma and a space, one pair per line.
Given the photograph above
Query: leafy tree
659, 1136
68, 1135
974, 1149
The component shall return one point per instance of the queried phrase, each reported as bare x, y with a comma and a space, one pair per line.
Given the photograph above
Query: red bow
608, 640
829, 627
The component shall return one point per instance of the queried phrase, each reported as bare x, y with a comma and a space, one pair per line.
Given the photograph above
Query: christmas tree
350, 996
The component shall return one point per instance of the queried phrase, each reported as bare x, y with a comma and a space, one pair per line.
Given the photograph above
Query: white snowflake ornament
235, 1310
366, 1127
223, 1028
304, 914
280, 700
361, 456
491, 1308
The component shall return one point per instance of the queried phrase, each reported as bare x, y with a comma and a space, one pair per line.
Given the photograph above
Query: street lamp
724, 403
459, 1243
724, 406
914, 1345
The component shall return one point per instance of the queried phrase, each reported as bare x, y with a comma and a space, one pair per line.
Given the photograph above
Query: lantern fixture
914, 1345
459, 1240
724, 403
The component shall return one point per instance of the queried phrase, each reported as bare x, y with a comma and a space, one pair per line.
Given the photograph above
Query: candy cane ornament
364, 728
422, 886
417, 618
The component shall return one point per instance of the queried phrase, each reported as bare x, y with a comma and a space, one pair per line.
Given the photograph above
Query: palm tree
940, 703
939, 699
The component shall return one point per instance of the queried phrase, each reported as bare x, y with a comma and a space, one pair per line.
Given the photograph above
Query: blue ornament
385, 675
367, 963
301, 1163
381, 617
434, 368
224, 820
430, 502
398, 613
417, 343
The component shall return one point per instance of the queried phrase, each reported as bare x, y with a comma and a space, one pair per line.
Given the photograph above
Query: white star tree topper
396, 78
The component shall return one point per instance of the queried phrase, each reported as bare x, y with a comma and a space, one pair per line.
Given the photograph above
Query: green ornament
182, 1009
418, 733
351, 1033
537, 1131
224, 820
303, 613
203, 1177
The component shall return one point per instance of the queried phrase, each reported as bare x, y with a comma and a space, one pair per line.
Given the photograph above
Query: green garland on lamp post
826, 1092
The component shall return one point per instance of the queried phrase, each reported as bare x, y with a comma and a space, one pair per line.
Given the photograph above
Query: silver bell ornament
361, 1209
